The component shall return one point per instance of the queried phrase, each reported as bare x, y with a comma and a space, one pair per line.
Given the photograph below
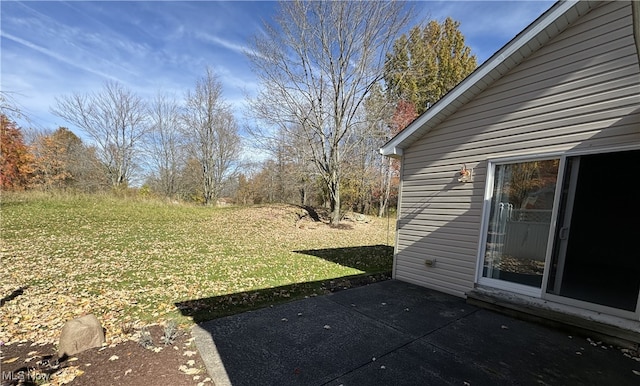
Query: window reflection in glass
519, 221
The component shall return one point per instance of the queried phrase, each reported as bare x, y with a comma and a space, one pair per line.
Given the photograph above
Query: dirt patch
127, 363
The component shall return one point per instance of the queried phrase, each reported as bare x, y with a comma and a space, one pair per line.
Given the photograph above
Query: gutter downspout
398, 211
397, 153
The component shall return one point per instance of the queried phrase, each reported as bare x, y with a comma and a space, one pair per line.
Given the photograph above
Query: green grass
134, 261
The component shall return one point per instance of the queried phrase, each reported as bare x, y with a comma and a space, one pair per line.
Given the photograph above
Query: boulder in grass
80, 334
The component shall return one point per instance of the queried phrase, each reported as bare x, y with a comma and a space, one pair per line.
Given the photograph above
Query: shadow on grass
202, 310
374, 260
13, 295
369, 258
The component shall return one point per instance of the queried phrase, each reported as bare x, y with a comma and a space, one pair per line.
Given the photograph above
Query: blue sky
51, 48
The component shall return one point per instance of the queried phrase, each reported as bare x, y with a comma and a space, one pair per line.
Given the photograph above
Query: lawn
133, 262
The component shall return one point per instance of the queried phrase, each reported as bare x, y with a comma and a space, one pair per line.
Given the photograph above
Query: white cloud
235, 47
56, 56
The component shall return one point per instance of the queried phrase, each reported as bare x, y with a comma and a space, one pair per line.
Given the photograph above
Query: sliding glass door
565, 229
520, 213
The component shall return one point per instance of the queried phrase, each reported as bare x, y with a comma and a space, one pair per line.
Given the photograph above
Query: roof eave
393, 152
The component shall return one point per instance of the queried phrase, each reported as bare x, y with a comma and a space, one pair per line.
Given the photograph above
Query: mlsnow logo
25, 376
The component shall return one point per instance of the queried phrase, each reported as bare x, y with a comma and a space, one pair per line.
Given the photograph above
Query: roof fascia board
529, 34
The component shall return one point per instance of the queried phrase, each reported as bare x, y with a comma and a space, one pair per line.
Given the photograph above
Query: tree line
336, 81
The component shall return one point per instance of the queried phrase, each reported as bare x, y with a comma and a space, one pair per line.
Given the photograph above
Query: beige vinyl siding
579, 91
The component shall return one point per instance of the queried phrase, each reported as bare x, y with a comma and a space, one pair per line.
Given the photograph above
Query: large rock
80, 334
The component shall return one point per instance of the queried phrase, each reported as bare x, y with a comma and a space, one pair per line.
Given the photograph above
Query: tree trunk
303, 196
207, 188
334, 202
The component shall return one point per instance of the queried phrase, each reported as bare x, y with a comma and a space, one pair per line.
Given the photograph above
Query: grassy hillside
135, 262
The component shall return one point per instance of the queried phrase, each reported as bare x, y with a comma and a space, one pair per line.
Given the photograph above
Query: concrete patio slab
406, 307
420, 363
303, 342
397, 333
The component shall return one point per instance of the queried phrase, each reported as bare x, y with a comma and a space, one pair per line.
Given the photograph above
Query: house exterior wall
579, 91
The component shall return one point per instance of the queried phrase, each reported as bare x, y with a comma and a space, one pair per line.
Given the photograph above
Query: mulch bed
127, 363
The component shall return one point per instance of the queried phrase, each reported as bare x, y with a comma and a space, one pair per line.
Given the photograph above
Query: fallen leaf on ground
66, 375
189, 370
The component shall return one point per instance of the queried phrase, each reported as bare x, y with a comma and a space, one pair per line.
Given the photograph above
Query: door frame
488, 195
566, 218
542, 291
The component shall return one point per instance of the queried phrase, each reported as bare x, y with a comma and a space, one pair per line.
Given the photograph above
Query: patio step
606, 328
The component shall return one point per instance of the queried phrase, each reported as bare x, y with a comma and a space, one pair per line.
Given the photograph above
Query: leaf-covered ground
130, 262
128, 363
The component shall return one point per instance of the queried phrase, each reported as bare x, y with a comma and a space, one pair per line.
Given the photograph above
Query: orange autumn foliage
16, 162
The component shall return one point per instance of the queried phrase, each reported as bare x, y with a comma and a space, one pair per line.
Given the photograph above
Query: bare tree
213, 134
289, 166
115, 119
166, 143
316, 67
386, 120
9, 106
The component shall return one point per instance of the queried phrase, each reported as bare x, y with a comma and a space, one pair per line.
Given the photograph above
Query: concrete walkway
394, 333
